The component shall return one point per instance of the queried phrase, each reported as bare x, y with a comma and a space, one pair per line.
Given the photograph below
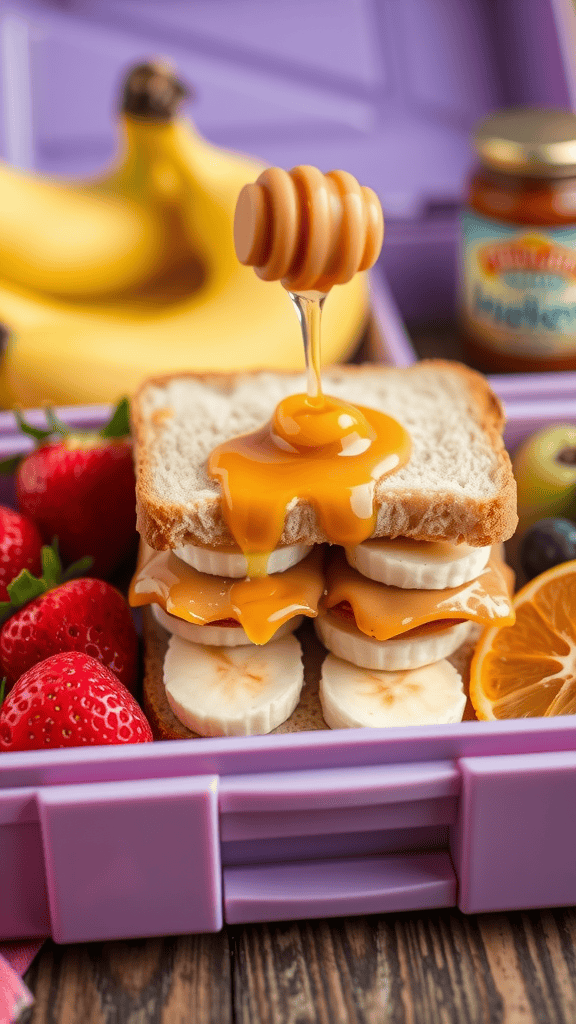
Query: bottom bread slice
307, 717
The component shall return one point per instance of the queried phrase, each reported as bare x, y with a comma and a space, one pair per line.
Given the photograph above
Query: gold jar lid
530, 141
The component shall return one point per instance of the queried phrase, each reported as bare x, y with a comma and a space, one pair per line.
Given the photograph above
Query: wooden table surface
440, 967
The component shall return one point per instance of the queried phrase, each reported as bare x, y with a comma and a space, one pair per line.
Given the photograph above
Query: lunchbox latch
130, 859
354, 840
350, 885
514, 840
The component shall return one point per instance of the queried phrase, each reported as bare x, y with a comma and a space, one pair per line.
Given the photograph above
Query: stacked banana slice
390, 612
233, 691
394, 610
233, 667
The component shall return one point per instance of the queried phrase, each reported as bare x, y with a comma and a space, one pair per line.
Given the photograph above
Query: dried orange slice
528, 670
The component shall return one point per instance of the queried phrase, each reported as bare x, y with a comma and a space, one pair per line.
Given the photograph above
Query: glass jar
517, 290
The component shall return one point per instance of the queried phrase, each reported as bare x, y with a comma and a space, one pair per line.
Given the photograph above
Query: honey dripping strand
309, 307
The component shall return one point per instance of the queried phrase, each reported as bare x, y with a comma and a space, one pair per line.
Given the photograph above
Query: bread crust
419, 514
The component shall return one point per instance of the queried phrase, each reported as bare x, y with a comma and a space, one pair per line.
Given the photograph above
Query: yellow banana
68, 354
74, 241
137, 274
119, 233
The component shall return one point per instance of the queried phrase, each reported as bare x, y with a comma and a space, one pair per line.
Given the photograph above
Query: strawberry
80, 487
20, 546
70, 700
84, 615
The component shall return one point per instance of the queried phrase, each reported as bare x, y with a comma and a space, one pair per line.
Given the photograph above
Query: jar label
518, 286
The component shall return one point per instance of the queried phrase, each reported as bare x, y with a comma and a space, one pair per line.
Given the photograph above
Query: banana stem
153, 92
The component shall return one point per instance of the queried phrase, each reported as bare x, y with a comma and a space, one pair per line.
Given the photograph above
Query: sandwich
225, 594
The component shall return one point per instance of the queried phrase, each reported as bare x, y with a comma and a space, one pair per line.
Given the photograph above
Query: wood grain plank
440, 967
428, 968
544, 945
149, 981
318, 972
444, 970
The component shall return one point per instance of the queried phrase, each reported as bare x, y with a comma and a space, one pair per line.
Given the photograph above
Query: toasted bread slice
458, 484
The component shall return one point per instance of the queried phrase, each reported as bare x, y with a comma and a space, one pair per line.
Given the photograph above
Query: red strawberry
85, 615
70, 700
20, 546
80, 488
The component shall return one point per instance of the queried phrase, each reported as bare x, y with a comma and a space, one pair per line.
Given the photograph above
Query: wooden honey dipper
307, 229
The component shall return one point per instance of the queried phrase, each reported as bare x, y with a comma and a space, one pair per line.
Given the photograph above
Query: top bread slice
458, 484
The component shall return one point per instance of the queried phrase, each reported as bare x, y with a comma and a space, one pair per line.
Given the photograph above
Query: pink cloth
19, 954
15, 958
14, 995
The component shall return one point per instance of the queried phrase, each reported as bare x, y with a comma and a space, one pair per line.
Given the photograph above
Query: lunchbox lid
389, 90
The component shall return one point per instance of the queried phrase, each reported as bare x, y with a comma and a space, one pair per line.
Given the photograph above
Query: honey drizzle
316, 448
309, 231
261, 606
309, 307
385, 612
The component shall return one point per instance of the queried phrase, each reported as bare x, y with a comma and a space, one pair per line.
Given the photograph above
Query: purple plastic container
181, 836
118, 842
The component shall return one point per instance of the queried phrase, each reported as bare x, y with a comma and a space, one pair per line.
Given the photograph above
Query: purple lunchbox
183, 836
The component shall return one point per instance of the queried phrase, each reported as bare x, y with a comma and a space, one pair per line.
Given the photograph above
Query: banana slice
233, 691
346, 641
215, 636
222, 562
418, 565
352, 697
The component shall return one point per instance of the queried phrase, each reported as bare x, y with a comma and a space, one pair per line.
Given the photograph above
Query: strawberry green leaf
25, 588
3, 690
38, 434
51, 566
56, 425
117, 427
73, 570
35, 432
77, 568
119, 424
9, 466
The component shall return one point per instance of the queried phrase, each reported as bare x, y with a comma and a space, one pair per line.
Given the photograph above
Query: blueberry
547, 543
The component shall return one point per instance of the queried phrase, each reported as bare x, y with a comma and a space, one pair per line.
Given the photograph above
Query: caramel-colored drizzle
260, 478
385, 612
261, 606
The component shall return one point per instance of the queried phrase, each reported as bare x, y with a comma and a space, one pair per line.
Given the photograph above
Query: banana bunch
105, 282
